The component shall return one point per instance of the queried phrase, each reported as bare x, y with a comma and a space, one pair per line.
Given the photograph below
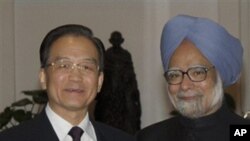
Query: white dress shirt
62, 127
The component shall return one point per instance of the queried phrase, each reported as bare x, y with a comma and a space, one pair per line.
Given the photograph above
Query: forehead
73, 47
187, 55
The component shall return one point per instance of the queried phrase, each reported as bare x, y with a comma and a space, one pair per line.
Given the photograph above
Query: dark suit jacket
40, 129
215, 127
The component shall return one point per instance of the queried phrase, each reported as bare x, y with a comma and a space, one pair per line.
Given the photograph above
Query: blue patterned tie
76, 133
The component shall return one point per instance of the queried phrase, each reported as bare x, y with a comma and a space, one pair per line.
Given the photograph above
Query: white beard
195, 108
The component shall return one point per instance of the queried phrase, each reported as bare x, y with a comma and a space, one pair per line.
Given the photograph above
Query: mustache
189, 94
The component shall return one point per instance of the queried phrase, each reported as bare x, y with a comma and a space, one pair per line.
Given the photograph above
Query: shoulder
19, 132
166, 124
111, 133
236, 119
158, 130
28, 130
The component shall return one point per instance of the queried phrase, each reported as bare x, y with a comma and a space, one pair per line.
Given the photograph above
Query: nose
75, 74
186, 83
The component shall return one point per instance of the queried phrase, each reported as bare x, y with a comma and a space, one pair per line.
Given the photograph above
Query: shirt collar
62, 127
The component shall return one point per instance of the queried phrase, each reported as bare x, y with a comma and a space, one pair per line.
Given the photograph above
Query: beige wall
245, 36
140, 22
7, 57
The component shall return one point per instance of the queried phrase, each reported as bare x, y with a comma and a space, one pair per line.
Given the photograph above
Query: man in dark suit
72, 74
200, 58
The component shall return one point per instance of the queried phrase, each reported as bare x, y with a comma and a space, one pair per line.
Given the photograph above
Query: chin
190, 109
193, 115
74, 105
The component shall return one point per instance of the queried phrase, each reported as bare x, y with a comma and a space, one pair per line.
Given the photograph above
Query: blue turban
222, 49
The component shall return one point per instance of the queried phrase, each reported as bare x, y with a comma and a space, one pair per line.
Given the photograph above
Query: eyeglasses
62, 66
195, 74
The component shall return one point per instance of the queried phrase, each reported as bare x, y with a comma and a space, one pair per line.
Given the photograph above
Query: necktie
76, 133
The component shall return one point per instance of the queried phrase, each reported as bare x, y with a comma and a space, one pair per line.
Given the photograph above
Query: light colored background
24, 23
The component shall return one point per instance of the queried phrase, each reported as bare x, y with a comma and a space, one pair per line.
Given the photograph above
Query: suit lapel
99, 134
46, 130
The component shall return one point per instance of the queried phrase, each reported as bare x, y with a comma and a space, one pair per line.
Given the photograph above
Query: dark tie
76, 133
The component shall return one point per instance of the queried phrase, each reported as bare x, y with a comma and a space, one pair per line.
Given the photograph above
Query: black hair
68, 29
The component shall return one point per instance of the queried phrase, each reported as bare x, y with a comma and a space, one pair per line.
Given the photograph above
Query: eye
198, 71
87, 66
63, 65
173, 75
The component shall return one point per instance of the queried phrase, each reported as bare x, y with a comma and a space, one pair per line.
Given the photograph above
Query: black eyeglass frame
206, 69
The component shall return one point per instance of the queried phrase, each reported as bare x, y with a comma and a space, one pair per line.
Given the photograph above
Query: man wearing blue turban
200, 58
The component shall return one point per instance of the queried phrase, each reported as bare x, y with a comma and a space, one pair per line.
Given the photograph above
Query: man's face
71, 88
194, 99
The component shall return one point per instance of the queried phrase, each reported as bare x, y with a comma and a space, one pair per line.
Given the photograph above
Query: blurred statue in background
118, 103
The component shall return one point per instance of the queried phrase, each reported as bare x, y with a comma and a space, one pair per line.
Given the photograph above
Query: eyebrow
59, 58
193, 66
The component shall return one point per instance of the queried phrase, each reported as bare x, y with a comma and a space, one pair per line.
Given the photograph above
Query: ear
100, 81
42, 78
